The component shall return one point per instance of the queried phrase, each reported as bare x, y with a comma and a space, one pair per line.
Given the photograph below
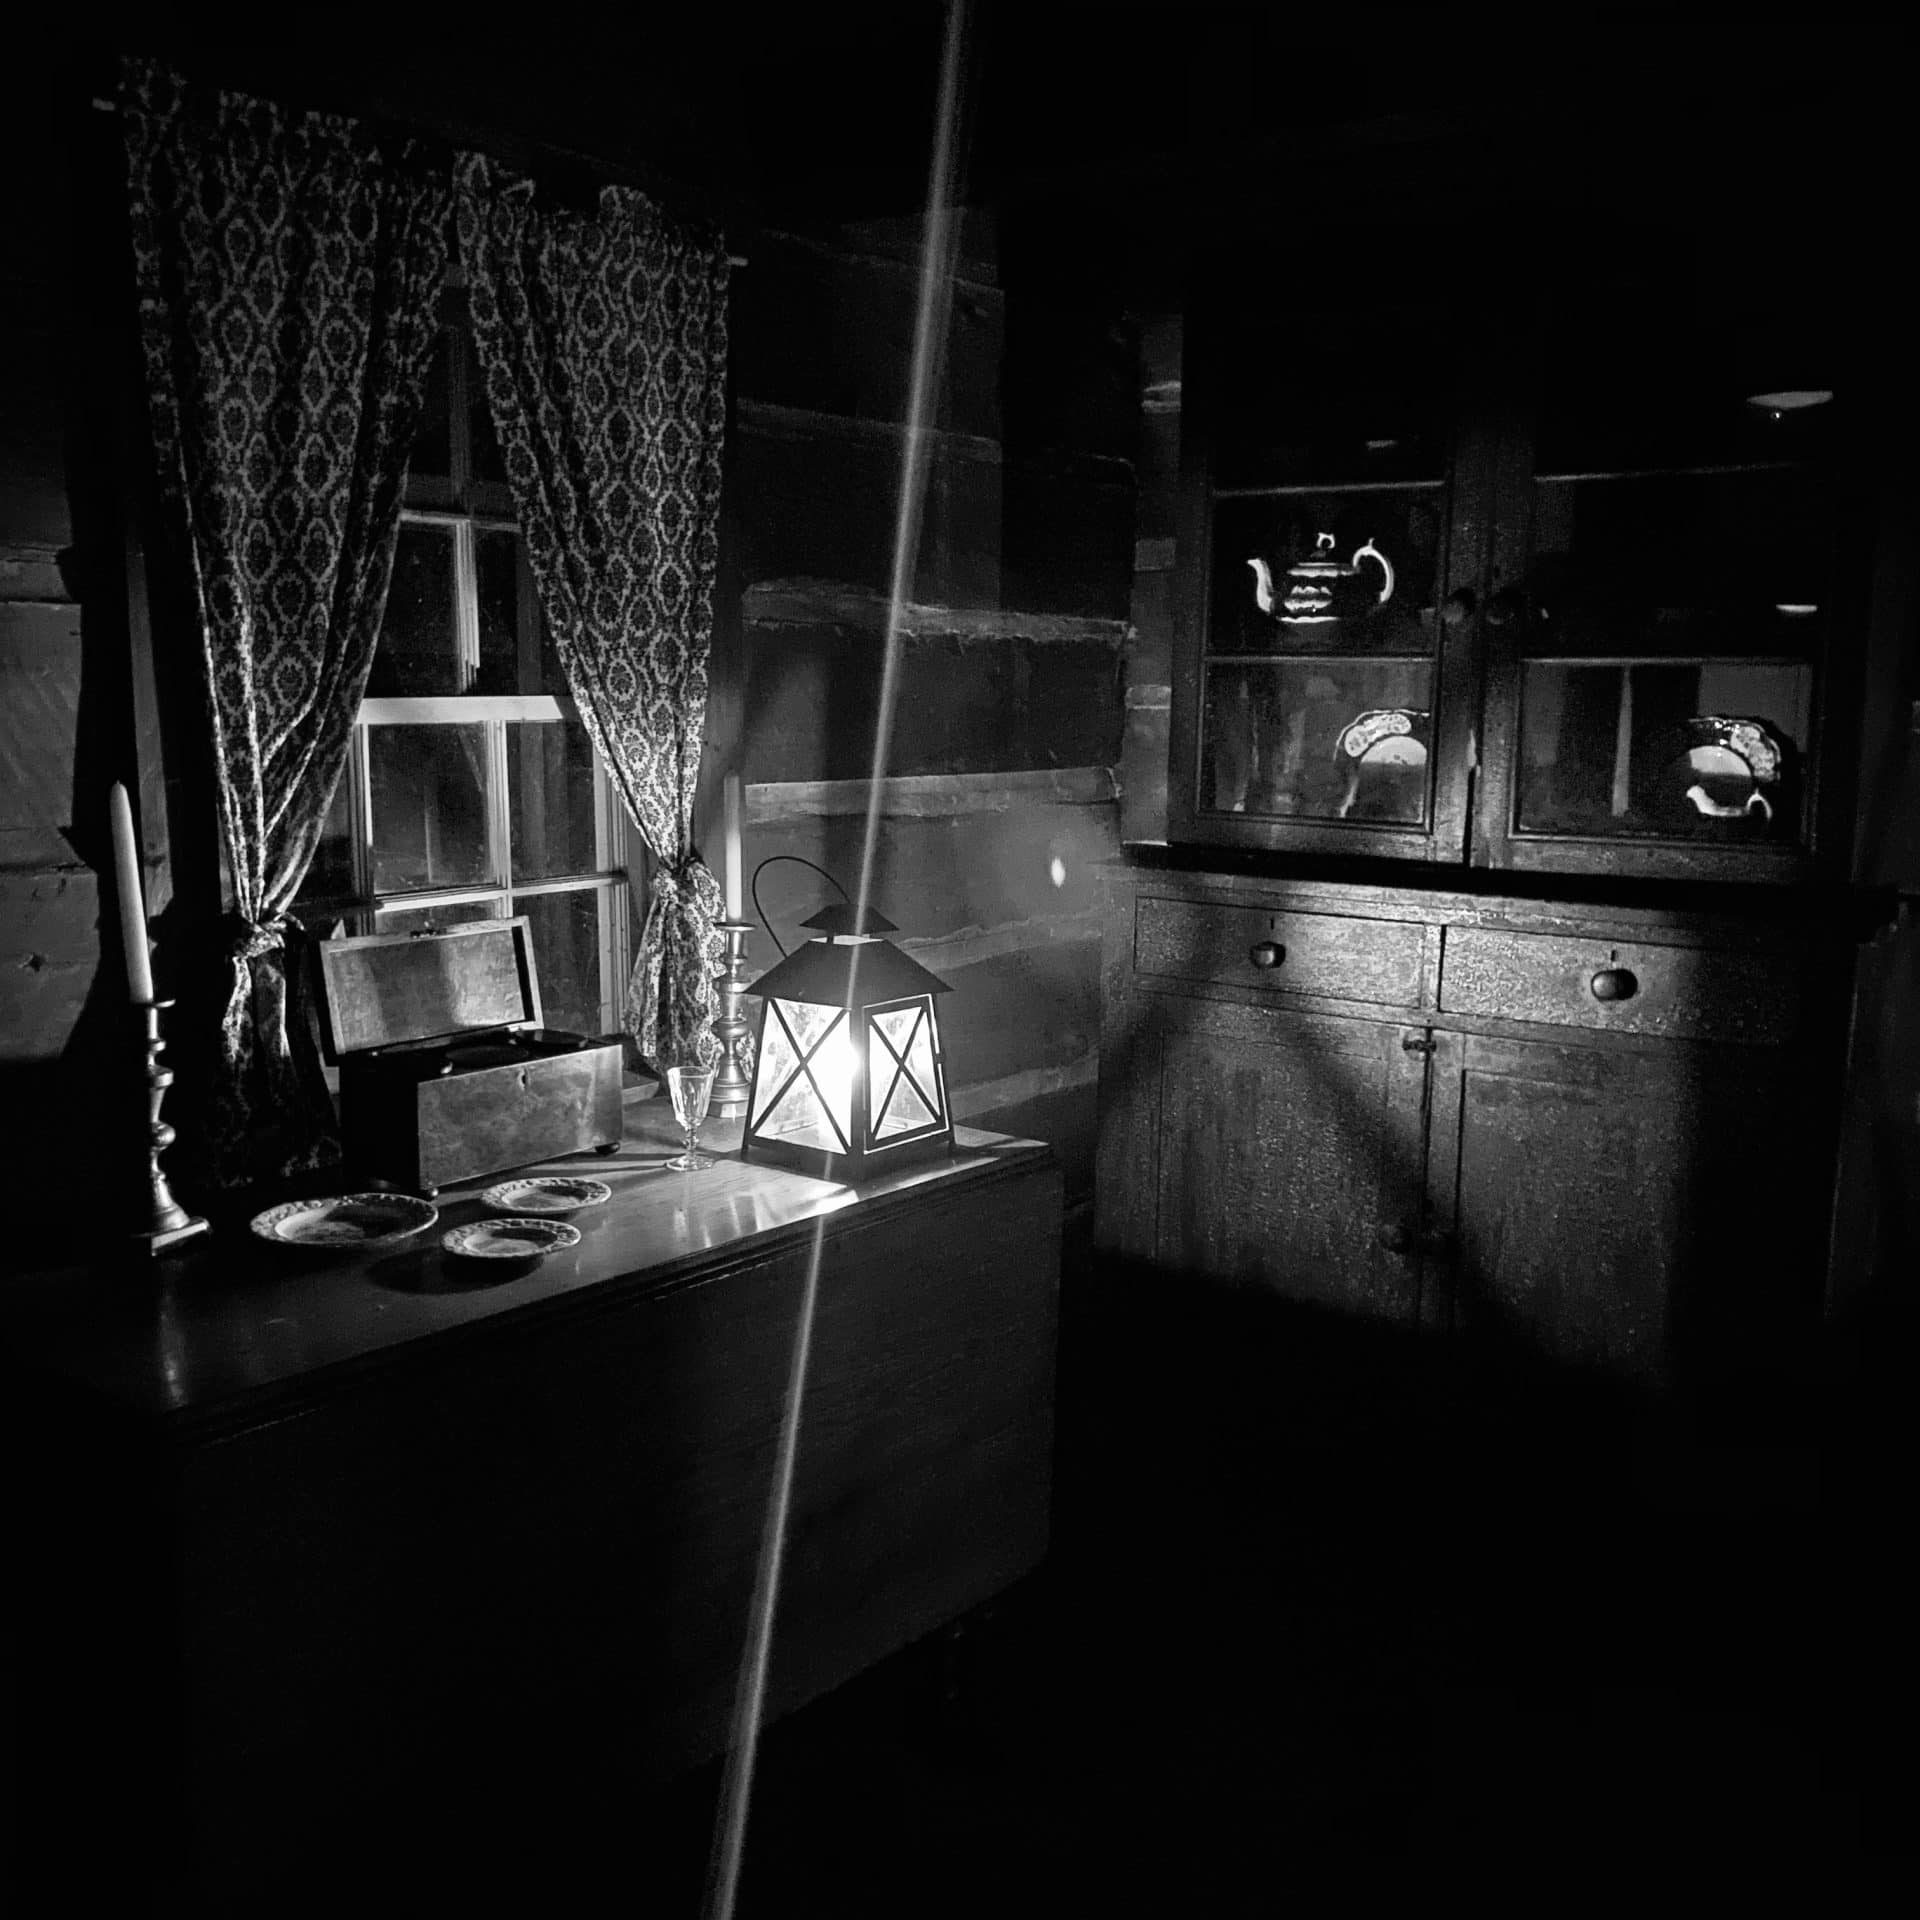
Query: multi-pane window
472, 790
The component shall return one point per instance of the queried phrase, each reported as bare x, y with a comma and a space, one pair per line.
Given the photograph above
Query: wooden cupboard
1594, 1135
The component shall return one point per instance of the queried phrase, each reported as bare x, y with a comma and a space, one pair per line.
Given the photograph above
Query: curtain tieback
681, 878
249, 939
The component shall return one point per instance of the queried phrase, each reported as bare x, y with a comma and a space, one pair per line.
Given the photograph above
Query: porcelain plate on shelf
510, 1239
346, 1222
555, 1193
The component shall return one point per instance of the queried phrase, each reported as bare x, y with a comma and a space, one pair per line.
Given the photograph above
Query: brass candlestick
733, 1081
162, 1222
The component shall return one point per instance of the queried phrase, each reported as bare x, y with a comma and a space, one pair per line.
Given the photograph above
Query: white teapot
1317, 589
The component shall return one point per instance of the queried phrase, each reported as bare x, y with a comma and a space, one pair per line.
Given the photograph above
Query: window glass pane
1344, 573
422, 919
566, 954
331, 874
1328, 740
496, 565
489, 463
550, 799
429, 806
1702, 750
432, 455
419, 651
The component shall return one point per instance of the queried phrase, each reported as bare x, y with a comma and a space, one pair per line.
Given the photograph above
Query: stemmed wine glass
691, 1088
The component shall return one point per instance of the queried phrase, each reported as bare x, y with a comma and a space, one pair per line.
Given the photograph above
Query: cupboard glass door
1665, 583
1321, 698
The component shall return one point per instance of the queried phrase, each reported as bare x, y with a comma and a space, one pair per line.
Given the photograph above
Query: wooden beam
1013, 1089
927, 796
771, 604
772, 422
949, 953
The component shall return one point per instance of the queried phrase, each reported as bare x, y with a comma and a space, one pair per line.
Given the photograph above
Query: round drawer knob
1615, 983
1266, 953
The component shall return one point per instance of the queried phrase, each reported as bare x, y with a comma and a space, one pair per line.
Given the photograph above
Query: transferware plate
346, 1222
510, 1239
555, 1193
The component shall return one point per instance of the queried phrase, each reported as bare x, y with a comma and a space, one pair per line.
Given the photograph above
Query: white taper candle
730, 829
133, 898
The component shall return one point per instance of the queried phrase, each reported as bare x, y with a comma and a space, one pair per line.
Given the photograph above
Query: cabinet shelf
1681, 470
1306, 489
1661, 659
1323, 657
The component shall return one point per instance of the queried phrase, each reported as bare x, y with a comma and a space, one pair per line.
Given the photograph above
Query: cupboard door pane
1323, 740
1373, 559
1667, 683
1708, 750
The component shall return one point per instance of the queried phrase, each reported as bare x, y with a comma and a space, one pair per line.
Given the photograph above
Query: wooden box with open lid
446, 1070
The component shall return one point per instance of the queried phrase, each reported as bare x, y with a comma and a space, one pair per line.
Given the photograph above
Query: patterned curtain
603, 336
289, 277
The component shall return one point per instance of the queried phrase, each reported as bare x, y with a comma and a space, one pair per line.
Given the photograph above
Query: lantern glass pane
777, 1065
804, 1088
905, 1083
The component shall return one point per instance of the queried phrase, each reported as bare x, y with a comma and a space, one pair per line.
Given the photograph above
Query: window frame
469, 508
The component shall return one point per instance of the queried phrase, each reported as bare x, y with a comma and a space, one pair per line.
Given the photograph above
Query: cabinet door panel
1286, 1145
1644, 1214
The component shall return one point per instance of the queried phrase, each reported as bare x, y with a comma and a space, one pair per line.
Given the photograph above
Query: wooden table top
232, 1321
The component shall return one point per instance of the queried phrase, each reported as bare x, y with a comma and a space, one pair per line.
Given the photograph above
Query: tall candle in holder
159, 1219
730, 1026
133, 899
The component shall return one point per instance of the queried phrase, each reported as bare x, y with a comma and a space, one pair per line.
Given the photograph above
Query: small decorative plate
554, 1193
510, 1239
346, 1222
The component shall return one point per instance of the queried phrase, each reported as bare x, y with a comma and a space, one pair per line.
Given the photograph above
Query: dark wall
998, 794
69, 719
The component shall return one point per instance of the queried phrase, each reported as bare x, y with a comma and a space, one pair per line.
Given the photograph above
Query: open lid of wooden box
405, 989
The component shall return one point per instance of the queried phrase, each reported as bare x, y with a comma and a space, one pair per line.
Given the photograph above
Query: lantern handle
753, 888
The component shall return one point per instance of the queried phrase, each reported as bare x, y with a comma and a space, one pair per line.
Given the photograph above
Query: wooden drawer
1327, 956
1680, 993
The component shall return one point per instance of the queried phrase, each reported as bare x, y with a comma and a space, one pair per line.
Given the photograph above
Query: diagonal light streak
934, 305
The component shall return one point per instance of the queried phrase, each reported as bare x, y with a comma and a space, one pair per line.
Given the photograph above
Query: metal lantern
849, 1078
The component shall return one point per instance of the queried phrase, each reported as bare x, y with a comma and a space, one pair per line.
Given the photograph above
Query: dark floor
1315, 1609
1317, 1606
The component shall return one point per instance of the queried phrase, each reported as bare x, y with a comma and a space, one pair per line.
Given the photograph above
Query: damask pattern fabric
603, 338
289, 276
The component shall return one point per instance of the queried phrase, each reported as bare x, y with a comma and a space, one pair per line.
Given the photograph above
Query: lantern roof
840, 919
860, 972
